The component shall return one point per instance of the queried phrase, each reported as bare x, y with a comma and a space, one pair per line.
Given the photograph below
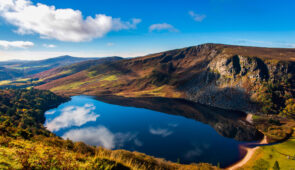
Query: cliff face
233, 82
218, 75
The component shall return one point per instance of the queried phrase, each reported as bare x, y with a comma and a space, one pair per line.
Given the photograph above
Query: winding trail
248, 156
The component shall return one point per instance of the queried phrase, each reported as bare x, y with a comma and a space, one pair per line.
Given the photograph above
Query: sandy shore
248, 156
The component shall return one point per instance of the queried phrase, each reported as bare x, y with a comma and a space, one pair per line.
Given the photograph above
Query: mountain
67, 70
19, 68
224, 76
7, 73
54, 73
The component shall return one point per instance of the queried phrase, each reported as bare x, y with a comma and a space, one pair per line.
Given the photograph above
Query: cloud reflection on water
73, 116
102, 136
160, 131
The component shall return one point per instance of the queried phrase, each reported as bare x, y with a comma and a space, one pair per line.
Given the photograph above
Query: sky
39, 29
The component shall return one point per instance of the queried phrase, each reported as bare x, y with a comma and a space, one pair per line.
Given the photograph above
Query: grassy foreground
54, 153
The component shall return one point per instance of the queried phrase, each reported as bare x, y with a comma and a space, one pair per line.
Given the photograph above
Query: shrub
261, 164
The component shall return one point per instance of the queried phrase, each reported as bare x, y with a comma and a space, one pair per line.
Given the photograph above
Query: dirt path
248, 156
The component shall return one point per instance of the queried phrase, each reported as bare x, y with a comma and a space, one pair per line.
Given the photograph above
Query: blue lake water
172, 137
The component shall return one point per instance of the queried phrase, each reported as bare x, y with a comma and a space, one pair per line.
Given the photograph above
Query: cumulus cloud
16, 44
163, 26
73, 116
160, 131
101, 136
49, 45
197, 17
61, 24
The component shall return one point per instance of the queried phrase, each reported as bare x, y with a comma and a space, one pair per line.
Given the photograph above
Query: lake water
172, 137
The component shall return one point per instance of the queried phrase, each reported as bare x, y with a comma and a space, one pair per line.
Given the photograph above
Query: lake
176, 130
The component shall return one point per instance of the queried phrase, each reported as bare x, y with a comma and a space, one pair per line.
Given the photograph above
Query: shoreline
249, 153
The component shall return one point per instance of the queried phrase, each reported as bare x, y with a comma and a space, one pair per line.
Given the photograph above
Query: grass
74, 85
271, 154
55, 153
66, 72
109, 78
161, 91
91, 74
105, 80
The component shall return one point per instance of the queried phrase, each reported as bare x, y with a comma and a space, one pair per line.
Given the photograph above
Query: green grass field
267, 155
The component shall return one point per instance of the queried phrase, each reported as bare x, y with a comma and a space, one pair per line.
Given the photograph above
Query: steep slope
224, 76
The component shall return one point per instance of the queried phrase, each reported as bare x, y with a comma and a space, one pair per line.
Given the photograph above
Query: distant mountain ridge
19, 68
218, 75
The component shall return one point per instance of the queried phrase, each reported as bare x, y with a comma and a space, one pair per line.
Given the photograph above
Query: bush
261, 164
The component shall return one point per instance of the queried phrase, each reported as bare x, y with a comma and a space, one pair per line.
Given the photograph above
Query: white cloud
197, 17
49, 45
163, 26
61, 24
101, 136
73, 116
16, 44
160, 131
121, 25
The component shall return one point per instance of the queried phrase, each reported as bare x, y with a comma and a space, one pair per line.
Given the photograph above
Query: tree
276, 166
289, 110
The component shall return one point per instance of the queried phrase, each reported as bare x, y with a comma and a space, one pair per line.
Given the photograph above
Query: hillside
19, 68
224, 76
54, 73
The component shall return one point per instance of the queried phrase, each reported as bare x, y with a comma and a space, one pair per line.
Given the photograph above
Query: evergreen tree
276, 166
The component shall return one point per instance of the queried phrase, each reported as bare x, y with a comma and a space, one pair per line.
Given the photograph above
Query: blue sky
129, 28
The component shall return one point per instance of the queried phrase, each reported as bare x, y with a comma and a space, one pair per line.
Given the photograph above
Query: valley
213, 84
